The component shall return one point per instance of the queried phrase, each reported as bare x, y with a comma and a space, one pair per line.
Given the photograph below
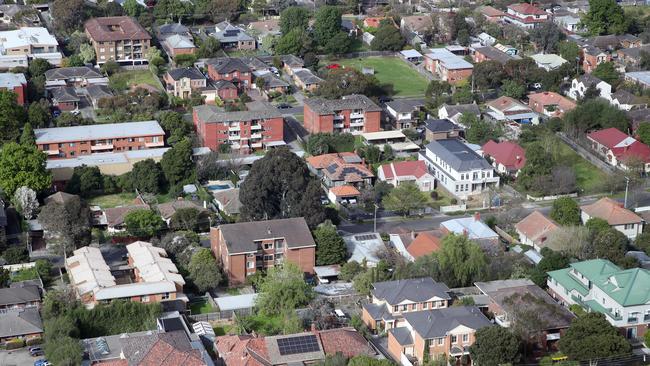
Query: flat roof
450, 60
382, 135
106, 158
95, 132
640, 76
236, 302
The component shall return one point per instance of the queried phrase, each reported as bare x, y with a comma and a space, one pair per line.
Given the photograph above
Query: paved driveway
19, 357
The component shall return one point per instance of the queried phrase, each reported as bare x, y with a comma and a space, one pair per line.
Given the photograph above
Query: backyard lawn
112, 200
392, 70
588, 176
201, 307
225, 329
125, 79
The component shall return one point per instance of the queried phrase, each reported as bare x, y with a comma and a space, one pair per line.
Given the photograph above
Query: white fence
550, 198
453, 208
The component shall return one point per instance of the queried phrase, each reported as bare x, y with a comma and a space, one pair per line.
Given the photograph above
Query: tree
87, 52
349, 270
537, 164
642, 242
171, 9
27, 137
144, 223
5, 278
339, 44
596, 225
86, 181
551, 261
279, 186
405, 198
204, 270
26, 202
461, 260
110, 67
590, 337
294, 17
330, 247
38, 114
610, 244
340, 82
12, 117
547, 37
217, 10
605, 17
208, 48
607, 72
387, 38
189, 219
15, 255
177, 163
643, 131
69, 15
572, 241
594, 114
147, 177
176, 129
480, 131
569, 50
363, 360
180, 246
488, 74
291, 42
513, 89
67, 223
283, 290
63, 350
327, 24
495, 346
565, 211
132, 8
22, 165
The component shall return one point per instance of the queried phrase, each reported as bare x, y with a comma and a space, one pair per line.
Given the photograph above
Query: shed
326, 274
237, 302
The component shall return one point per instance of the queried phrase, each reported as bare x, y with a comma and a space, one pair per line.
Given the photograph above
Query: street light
627, 183
375, 224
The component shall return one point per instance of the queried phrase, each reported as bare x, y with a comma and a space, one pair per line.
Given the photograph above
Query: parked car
42, 362
36, 351
284, 106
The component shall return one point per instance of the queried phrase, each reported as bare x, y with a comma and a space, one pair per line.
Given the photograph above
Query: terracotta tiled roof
507, 153
101, 29
611, 211
621, 145
425, 243
550, 98
503, 103
527, 9
167, 352
344, 340
322, 161
345, 191
490, 11
415, 168
346, 167
536, 227
234, 350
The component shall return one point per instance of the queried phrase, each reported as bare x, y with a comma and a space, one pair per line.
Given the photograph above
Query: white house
407, 171
580, 85
525, 15
508, 109
616, 216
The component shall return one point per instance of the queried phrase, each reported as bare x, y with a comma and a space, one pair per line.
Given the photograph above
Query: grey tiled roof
213, 114
441, 125
173, 28
19, 295
17, 322
416, 290
354, 101
241, 237
436, 323
589, 80
225, 65
495, 55
378, 311
272, 81
63, 73
405, 105
226, 33
64, 94
186, 72
453, 110
625, 97
99, 91
458, 155
307, 77
402, 335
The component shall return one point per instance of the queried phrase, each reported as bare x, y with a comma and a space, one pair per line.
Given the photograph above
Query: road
391, 224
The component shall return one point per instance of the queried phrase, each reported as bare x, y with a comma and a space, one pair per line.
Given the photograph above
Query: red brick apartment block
352, 113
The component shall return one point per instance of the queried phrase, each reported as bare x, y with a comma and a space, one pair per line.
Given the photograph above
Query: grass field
589, 178
201, 307
124, 79
406, 81
112, 200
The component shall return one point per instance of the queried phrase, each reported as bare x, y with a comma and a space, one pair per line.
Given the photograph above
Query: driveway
19, 357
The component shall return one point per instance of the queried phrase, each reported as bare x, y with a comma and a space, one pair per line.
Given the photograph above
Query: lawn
125, 79
392, 70
225, 329
588, 176
201, 307
112, 200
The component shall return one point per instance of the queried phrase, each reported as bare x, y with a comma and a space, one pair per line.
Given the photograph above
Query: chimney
268, 230
518, 158
477, 216
313, 327
412, 234
465, 232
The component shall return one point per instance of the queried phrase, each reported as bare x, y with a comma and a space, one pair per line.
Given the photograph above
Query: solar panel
365, 237
295, 345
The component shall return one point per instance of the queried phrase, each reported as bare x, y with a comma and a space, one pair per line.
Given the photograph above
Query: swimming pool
219, 185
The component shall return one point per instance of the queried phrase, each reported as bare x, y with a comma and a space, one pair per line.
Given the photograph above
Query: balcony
256, 127
234, 128
256, 136
338, 117
234, 138
356, 124
101, 147
52, 152
338, 125
646, 318
235, 146
356, 115
154, 144
256, 145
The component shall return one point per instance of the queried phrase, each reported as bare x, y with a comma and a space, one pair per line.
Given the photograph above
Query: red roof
621, 145
415, 168
425, 243
373, 22
506, 153
609, 137
527, 9
344, 340
345, 191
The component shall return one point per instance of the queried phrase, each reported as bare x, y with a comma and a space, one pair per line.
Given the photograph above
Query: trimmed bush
14, 344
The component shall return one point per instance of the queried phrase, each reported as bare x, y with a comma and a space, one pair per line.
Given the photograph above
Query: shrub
453, 201
34, 341
434, 195
15, 344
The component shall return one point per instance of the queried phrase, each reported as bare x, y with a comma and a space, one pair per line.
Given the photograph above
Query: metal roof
237, 302
97, 132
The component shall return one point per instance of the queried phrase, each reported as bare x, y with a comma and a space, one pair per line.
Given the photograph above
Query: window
268, 246
425, 306
454, 339
440, 341
72, 144
414, 307
145, 298
465, 338
395, 308
250, 265
165, 296
268, 257
404, 307
629, 226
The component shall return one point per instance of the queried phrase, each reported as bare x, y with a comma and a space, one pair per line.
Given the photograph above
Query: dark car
284, 106
36, 351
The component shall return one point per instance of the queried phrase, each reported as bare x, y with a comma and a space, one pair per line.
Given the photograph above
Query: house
246, 247
592, 57
115, 216
618, 149
168, 209
21, 15
412, 56
525, 15
233, 70
569, 23
265, 28
340, 169
182, 82
343, 195
598, 285
447, 66
272, 83
365, 248
438, 334
491, 14
548, 61
291, 62
28, 296
407, 171
177, 44
18, 47
150, 276
508, 298
510, 50
535, 229
404, 113
626, 101
301, 348
458, 169
24, 324
632, 56
507, 109
456, 111
69, 142
391, 300
244, 131
486, 39
227, 201
550, 104
306, 80
98, 92
352, 113
395, 139
414, 27
441, 129
507, 157
64, 98
618, 217
327, 274
414, 245
15, 83
121, 39
489, 53
639, 77
233, 38
80, 76
580, 85
473, 228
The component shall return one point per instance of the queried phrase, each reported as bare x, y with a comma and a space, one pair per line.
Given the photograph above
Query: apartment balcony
256, 127
154, 144
356, 115
338, 117
235, 146
256, 135
234, 128
357, 124
646, 318
234, 138
100, 147
53, 152
256, 145
338, 125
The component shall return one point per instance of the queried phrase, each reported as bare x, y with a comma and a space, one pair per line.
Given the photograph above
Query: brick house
175, 39
489, 53
64, 98
550, 104
245, 131
618, 149
447, 66
592, 57
121, 39
525, 15
305, 79
246, 247
230, 69
222, 89
441, 129
23, 324
491, 14
340, 169
392, 300
352, 113
183, 82
67, 142
15, 83
439, 333
80, 76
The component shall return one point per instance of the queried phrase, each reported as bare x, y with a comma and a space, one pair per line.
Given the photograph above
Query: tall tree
607, 72
144, 223
283, 290
565, 211
294, 17
69, 15
461, 260
204, 270
594, 114
177, 163
27, 137
38, 114
590, 336
12, 117
86, 181
330, 247
328, 24
605, 17
132, 8
547, 37
279, 186
387, 38
569, 50
22, 165
495, 346
291, 43
610, 244
217, 10
405, 198
26, 202
67, 223
147, 176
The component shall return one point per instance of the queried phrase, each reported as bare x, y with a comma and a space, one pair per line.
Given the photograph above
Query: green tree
27, 137
565, 211
86, 181
327, 24
363, 360
67, 223
110, 67
495, 346
596, 225
387, 38
607, 72
480, 131
5, 278
462, 260
605, 17
590, 337
537, 164
551, 261
340, 82
513, 89
184, 60
283, 289
22, 165
204, 271
208, 48
15, 255
292, 42
643, 131
349, 270
171, 9
189, 218
177, 163
12, 117
610, 244
69, 14
64, 351
147, 177
38, 114
594, 114
294, 17
339, 44
132, 8
176, 129
488, 74
642, 242
330, 247
569, 50
144, 223
405, 198
547, 37
280, 186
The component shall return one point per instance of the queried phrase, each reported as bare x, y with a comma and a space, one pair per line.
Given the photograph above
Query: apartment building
121, 39
247, 247
391, 300
458, 168
16, 83
598, 285
447, 66
525, 15
261, 127
352, 113
18, 47
69, 142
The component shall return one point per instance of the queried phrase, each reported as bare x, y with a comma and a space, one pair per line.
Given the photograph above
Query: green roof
595, 306
594, 268
567, 281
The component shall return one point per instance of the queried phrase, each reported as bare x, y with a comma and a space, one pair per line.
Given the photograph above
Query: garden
392, 70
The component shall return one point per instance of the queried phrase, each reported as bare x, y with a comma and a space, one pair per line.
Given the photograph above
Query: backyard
122, 199
125, 79
588, 177
392, 70
201, 307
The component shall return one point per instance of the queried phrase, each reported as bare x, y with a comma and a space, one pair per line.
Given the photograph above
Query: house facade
247, 247
232, 70
181, 83
447, 66
16, 83
441, 129
352, 113
525, 15
120, 39
341, 169
550, 104
618, 217
535, 229
407, 171
507, 157
580, 85
404, 113
618, 149
233, 38
508, 109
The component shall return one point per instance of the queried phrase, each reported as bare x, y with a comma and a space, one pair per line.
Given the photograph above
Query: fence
358, 55
505, 235
550, 198
453, 208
